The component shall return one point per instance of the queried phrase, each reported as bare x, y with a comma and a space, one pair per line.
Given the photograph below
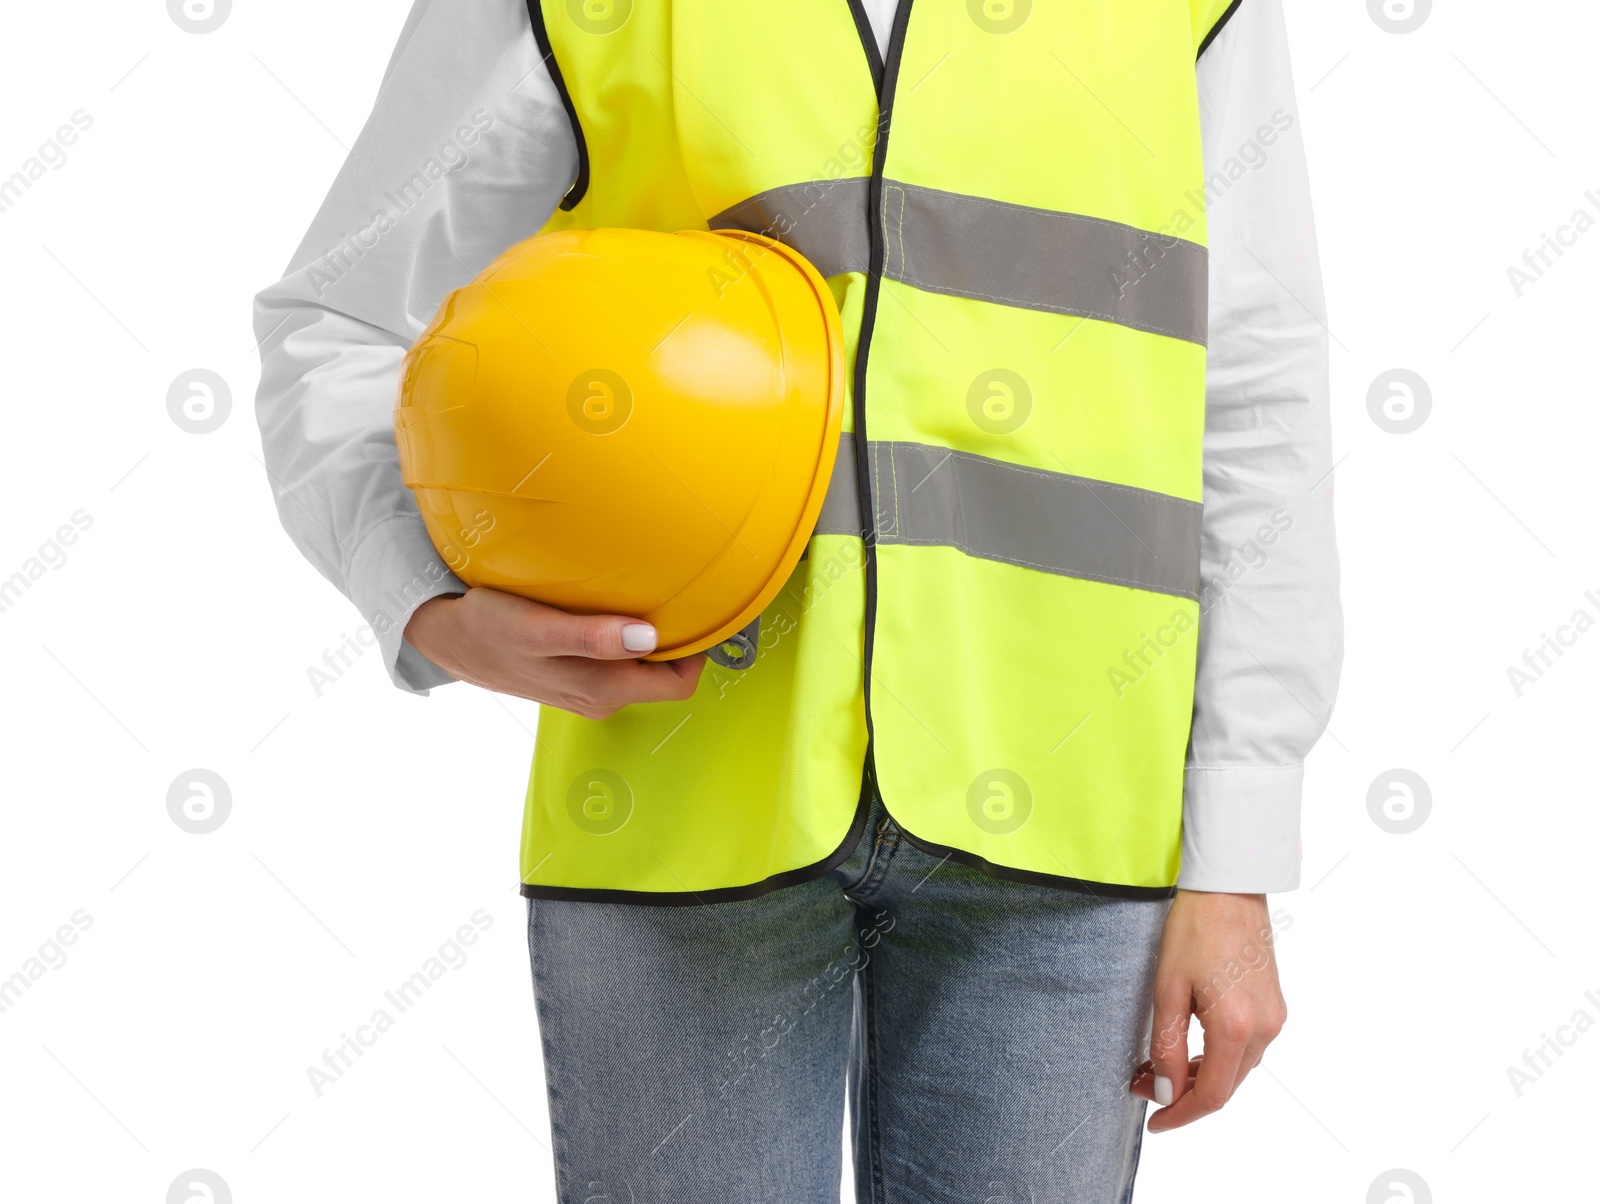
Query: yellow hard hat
628, 422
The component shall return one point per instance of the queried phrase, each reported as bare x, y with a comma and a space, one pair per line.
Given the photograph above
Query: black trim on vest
541, 35
869, 319
1217, 28
869, 43
721, 894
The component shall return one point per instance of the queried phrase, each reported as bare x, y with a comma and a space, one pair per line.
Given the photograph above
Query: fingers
1237, 1034
599, 689
1169, 1038
1253, 1054
688, 667
1268, 1024
1216, 959
1213, 1081
1144, 1082
547, 631
586, 664
596, 637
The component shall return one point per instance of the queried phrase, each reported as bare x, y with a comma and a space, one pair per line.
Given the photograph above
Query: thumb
1169, 1039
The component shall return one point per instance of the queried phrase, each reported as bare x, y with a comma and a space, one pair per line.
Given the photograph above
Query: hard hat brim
827, 454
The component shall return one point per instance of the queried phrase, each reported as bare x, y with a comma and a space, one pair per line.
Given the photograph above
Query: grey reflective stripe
967, 246
1037, 259
1050, 521
841, 509
826, 221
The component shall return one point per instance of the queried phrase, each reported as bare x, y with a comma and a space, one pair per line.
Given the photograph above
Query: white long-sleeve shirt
469, 149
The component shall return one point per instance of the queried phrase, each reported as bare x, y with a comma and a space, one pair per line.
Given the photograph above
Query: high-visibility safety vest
995, 623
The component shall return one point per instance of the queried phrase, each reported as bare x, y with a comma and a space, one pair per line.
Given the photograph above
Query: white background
366, 826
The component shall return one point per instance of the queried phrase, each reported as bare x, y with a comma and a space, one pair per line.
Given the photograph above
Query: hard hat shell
629, 422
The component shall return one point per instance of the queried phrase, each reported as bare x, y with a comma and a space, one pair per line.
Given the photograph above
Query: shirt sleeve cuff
1241, 829
395, 570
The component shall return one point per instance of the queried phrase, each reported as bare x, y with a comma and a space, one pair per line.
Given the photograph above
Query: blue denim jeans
983, 1031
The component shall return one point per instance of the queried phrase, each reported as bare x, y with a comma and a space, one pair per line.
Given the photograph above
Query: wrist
428, 622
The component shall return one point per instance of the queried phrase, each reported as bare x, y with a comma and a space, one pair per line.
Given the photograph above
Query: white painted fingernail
1163, 1090
638, 637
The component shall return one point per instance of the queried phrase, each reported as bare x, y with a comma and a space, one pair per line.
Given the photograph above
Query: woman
996, 809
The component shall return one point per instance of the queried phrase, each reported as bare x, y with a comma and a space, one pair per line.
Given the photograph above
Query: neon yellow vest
997, 618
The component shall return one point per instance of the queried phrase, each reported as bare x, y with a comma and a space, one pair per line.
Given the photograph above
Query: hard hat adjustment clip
738, 651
